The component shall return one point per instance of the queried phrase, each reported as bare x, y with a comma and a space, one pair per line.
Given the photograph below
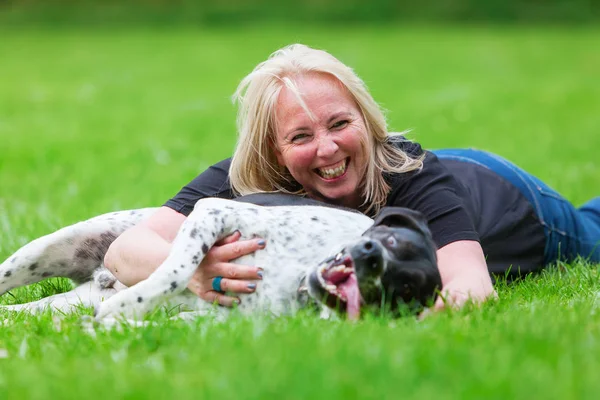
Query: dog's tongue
349, 289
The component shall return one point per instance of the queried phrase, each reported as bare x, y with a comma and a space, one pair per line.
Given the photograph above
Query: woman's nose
326, 146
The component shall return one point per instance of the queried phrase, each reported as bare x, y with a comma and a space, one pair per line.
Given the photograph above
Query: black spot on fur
182, 266
215, 212
194, 233
94, 248
47, 274
140, 299
173, 286
33, 266
316, 219
122, 304
204, 248
289, 238
8, 273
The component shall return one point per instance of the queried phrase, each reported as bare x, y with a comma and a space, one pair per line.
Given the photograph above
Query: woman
307, 125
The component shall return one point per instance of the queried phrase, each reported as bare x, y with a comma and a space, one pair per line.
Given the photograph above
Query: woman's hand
465, 277
236, 278
466, 288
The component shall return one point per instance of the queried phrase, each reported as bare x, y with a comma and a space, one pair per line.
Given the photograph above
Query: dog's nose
370, 253
368, 259
368, 248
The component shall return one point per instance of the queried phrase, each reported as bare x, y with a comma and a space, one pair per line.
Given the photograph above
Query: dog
341, 259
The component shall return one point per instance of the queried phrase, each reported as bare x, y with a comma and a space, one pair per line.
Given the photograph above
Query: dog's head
393, 264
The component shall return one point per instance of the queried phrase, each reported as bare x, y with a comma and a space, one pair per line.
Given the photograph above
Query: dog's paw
104, 279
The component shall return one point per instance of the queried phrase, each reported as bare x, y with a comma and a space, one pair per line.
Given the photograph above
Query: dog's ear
400, 217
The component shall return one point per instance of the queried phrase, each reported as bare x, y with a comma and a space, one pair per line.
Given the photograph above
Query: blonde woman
307, 125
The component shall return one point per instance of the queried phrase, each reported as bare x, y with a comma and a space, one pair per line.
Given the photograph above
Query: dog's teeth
320, 277
338, 256
331, 288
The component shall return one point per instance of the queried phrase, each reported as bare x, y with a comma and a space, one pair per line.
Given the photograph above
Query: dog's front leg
197, 235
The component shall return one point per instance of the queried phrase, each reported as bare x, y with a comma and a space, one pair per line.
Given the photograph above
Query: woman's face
325, 154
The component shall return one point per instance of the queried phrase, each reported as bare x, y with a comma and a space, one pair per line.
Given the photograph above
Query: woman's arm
135, 254
465, 276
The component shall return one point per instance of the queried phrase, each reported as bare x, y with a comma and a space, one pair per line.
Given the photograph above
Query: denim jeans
570, 232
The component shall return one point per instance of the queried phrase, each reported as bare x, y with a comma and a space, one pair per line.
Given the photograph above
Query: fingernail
260, 273
252, 286
262, 242
237, 302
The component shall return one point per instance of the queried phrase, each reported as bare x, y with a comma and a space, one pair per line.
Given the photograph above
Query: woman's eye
392, 241
300, 137
339, 124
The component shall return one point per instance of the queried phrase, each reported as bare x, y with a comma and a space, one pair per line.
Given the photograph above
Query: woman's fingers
236, 249
234, 237
235, 278
237, 286
220, 298
456, 296
237, 271
207, 294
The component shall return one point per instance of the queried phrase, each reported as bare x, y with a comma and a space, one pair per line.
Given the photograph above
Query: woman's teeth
330, 173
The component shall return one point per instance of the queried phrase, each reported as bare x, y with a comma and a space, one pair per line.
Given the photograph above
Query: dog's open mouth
338, 278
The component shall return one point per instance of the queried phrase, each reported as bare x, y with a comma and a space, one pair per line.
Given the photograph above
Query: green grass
98, 120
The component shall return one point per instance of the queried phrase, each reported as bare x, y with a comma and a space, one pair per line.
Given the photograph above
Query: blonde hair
254, 167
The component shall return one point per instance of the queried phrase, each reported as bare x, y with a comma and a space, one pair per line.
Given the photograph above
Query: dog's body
299, 239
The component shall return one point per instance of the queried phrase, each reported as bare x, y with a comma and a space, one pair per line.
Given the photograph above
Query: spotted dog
341, 259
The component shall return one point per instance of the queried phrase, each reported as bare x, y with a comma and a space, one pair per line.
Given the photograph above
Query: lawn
98, 120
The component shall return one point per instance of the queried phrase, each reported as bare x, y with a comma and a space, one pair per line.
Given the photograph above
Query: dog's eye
392, 241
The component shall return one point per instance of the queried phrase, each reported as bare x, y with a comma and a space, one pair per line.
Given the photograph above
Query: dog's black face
393, 265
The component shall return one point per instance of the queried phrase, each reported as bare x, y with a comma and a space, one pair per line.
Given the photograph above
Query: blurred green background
231, 12
121, 103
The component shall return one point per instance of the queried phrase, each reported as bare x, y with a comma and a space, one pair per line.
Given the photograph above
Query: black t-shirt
460, 200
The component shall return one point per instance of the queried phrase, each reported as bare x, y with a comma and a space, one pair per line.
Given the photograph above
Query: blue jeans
570, 232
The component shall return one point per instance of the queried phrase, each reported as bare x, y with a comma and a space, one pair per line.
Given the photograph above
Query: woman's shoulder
408, 146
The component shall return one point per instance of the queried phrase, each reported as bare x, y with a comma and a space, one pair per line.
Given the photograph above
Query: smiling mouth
338, 278
333, 171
